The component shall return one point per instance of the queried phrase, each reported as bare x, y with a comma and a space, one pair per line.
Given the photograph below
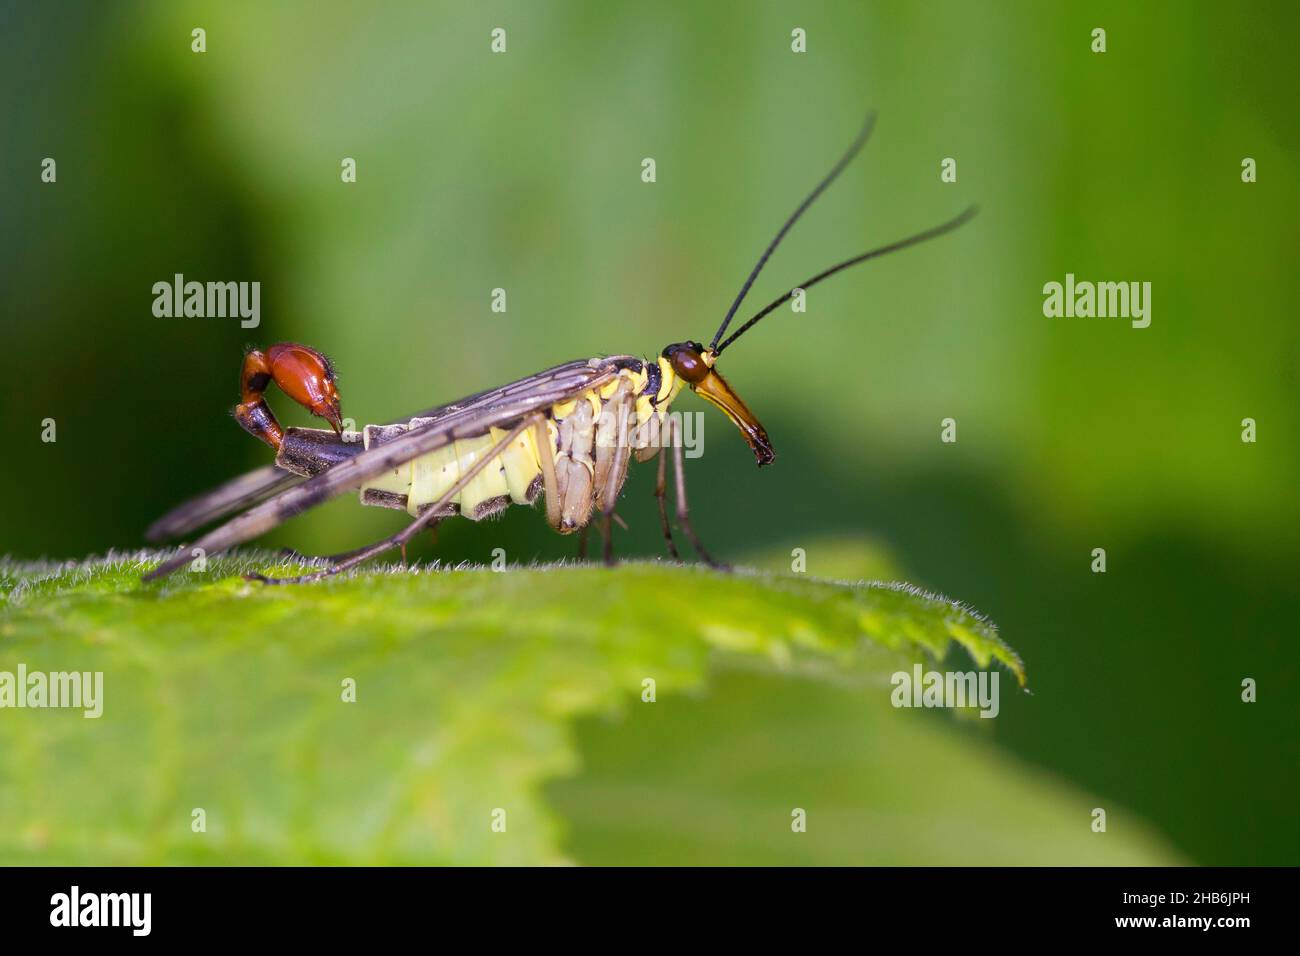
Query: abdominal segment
580, 437
515, 475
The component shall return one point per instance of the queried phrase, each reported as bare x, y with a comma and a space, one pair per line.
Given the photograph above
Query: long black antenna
858, 143
873, 254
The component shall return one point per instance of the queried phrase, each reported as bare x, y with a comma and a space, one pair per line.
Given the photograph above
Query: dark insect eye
686, 362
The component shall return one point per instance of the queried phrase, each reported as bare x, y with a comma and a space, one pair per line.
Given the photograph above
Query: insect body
579, 456
566, 435
583, 443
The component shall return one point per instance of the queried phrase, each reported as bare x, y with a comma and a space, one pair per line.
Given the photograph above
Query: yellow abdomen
516, 474
513, 477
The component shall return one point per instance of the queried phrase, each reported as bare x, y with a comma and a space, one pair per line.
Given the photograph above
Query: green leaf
227, 696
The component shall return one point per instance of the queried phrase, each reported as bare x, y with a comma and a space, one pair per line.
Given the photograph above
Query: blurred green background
522, 171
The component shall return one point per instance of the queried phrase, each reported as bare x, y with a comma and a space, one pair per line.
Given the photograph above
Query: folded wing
467, 418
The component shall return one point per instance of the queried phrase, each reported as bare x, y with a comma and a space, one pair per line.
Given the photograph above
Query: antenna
862, 137
920, 237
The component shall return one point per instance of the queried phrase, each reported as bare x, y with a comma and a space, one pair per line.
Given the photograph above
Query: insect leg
607, 540
661, 496
429, 516
295, 555
347, 555
683, 510
582, 543
550, 484
617, 473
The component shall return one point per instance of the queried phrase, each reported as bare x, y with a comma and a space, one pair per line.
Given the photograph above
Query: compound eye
687, 362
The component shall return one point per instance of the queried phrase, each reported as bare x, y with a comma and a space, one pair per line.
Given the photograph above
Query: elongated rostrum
566, 434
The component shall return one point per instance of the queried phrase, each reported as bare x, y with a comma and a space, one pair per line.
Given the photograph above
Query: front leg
550, 482
617, 472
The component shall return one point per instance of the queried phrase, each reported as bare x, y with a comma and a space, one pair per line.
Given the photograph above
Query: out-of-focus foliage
229, 697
